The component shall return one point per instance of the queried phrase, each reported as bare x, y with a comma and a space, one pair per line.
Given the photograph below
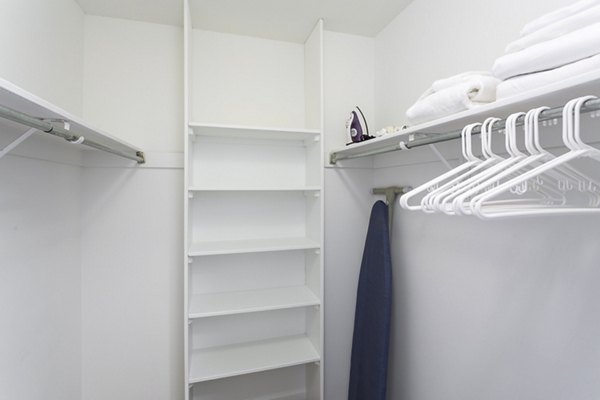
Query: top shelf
252, 132
448, 128
17, 99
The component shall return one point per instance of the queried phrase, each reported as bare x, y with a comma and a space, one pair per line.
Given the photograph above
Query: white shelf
250, 246
247, 358
14, 97
252, 132
254, 189
216, 304
553, 95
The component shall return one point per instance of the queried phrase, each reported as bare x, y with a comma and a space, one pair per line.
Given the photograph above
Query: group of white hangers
520, 184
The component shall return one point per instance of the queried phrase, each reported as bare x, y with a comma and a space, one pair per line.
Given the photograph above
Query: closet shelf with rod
449, 128
24, 108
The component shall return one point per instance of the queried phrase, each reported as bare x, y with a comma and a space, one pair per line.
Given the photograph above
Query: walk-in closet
323, 200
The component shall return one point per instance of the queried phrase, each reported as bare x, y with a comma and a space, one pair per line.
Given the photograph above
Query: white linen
478, 90
442, 84
556, 29
563, 50
524, 83
454, 80
557, 15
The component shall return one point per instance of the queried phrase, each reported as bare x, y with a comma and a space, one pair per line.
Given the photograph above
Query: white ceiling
289, 20
169, 12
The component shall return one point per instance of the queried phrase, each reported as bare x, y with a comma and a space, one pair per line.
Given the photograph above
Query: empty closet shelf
252, 132
215, 304
247, 358
251, 246
254, 189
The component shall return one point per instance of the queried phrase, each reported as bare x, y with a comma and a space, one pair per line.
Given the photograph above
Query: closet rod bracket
390, 193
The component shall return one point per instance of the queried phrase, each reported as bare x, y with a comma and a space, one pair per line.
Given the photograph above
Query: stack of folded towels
455, 94
553, 47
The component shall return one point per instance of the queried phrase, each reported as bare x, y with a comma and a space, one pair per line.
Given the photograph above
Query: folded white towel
524, 83
557, 29
451, 100
563, 50
557, 15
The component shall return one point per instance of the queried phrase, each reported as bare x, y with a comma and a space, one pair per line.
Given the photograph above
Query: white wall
433, 39
349, 78
42, 49
132, 217
132, 284
40, 290
133, 82
347, 206
492, 310
241, 85
482, 310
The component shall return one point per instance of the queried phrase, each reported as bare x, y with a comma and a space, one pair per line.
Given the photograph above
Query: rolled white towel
454, 80
464, 77
563, 50
520, 84
557, 29
451, 100
557, 15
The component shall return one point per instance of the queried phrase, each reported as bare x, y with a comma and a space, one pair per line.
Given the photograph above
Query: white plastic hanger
486, 177
572, 139
471, 161
518, 163
427, 201
436, 200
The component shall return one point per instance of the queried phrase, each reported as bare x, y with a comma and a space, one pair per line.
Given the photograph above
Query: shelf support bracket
16, 142
440, 156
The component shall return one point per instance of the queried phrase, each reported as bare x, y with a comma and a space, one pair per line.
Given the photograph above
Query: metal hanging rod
546, 115
53, 128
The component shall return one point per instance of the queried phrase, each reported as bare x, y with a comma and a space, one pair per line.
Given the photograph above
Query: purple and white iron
356, 126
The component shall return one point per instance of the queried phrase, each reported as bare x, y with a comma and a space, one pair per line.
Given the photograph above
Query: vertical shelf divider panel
253, 228
187, 37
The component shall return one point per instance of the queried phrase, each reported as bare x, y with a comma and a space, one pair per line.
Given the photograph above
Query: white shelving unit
253, 215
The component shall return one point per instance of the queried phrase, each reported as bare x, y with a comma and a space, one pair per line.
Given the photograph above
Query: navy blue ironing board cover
370, 343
